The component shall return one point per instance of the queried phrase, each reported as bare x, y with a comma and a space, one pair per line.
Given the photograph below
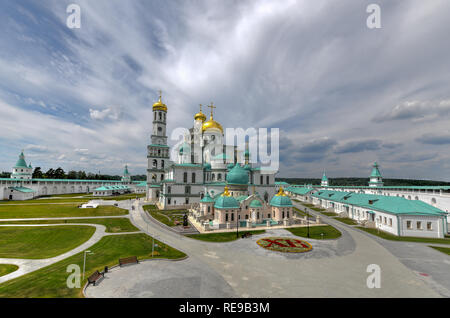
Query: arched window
219, 177
185, 177
267, 179
155, 115
162, 164
261, 180
160, 116
155, 163
212, 177
266, 197
169, 189
193, 177
162, 176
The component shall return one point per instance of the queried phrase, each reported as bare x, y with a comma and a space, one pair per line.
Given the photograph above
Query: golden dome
211, 123
159, 105
281, 192
200, 115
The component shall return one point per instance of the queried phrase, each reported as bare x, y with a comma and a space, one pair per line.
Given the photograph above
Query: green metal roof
375, 172
162, 146
207, 199
110, 188
21, 162
281, 183
22, 189
299, 191
226, 202
255, 204
389, 204
281, 201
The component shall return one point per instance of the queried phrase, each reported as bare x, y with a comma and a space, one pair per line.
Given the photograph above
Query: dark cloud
434, 139
359, 146
318, 145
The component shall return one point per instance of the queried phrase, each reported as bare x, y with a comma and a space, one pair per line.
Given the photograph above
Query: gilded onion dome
200, 115
159, 105
211, 123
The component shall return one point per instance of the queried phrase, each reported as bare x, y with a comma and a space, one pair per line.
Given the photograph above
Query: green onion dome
237, 175
255, 204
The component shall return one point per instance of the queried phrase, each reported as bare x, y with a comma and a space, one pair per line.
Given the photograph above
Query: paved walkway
333, 269
429, 265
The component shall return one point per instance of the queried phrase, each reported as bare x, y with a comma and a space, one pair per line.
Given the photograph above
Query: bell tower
158, 151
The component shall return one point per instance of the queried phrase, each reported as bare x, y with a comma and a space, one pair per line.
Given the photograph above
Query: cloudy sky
342, 95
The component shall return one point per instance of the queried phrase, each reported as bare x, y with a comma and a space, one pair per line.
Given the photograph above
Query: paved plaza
334, 268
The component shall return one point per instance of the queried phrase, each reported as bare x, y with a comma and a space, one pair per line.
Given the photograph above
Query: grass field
347, 221
50, 281
115, 225
301, 213
41, 242
329, 213
315, 232
7, 268
445, 250
53, 210
46, 201
312, 207
167, 217
221, 237
391, 237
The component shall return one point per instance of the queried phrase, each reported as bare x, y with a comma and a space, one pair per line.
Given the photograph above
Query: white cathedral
203, 165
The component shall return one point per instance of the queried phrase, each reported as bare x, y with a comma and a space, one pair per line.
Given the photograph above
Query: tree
59, 173
37, 173
50, 174
72, 175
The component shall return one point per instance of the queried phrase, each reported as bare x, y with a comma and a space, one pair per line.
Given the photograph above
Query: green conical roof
324, 177
21, 162
125, 171
375, 171
207, 198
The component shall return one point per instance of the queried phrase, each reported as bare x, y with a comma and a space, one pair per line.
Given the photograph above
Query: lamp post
237, 224
307, 220
84, 262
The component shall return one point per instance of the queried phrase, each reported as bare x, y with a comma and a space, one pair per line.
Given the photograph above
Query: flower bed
284, 244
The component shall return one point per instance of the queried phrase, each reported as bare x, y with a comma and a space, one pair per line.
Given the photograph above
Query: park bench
95, 277
128, 260
245, 235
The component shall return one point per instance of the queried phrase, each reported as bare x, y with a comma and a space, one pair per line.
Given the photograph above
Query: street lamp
237, 224
307, 220
84, 262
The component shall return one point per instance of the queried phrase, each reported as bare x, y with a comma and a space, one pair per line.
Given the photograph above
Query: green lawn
47, 200
41, 242
329, 213
445, 250
50, 281
392, 237
115, 225
347, 221
315, 232
301, 213
167, 217
221, 237
7, 268
54, 210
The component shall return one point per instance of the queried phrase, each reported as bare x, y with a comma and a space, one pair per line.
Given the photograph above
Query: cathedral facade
203, 165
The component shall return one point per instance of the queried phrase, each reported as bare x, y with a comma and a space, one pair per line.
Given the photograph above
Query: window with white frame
419, 225
429, 226
408, 225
